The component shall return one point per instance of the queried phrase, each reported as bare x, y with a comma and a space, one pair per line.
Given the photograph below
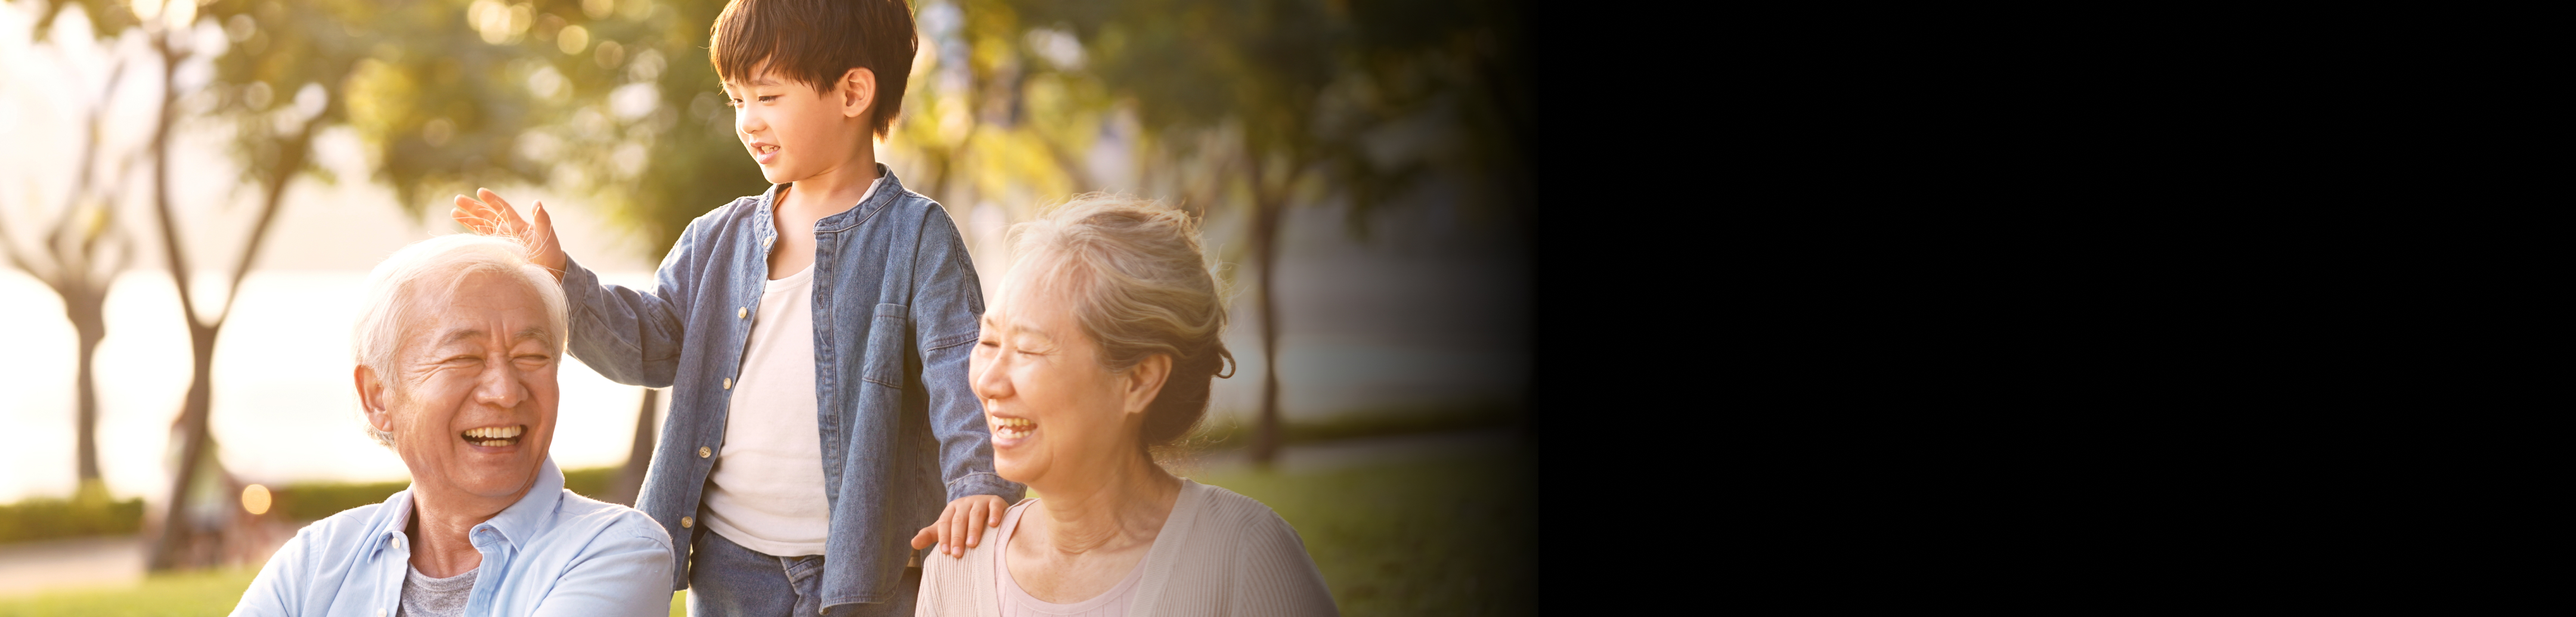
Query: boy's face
794, 132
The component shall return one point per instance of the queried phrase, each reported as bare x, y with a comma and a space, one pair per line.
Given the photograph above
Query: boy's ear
858, 92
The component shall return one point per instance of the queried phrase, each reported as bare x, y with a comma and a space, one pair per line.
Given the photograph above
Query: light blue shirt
552, 553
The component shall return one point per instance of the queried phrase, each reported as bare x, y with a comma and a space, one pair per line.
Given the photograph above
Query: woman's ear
858, 90
1145, 380
371, 397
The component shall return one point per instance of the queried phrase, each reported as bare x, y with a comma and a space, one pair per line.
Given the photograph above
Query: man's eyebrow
531, 332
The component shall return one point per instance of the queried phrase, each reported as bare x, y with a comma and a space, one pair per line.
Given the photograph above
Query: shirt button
764, 242
686, 521
742, 313
728, 383
703, 452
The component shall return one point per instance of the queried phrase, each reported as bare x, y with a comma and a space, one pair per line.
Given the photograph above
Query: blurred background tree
189, 532
1274, 104
79, 252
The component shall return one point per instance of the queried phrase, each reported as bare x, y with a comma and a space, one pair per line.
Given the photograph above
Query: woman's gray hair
441, 263
1140, 285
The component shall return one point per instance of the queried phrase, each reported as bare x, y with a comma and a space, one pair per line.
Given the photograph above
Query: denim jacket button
742, 313
728, 383
686, 521
703, 452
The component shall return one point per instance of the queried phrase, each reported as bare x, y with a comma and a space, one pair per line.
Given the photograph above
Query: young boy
815, 337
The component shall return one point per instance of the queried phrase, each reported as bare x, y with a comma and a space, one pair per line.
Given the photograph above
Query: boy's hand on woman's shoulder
491, 216
957, 528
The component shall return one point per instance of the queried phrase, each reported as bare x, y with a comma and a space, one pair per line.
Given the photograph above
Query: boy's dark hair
816, 41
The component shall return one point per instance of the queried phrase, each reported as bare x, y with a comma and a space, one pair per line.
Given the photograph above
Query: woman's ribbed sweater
1220, 555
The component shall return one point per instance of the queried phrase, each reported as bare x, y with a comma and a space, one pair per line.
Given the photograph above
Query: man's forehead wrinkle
461, 335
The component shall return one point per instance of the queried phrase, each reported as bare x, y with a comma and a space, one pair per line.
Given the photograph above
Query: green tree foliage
610, 98
1291, 102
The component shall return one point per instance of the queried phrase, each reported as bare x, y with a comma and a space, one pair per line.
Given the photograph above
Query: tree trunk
183, 544
639, 454
88, 319
179, 546
1267, 206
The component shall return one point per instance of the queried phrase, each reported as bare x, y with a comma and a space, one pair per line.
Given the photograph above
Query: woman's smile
1013, 429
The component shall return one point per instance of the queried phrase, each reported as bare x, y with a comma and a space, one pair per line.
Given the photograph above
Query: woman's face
471, 401
1057, 414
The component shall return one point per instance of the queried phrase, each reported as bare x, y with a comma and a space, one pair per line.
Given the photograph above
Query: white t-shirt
766, 492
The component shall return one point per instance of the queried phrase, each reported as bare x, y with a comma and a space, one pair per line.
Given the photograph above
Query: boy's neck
837, 188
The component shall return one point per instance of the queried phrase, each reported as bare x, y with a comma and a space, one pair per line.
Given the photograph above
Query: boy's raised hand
491, 216
957, 528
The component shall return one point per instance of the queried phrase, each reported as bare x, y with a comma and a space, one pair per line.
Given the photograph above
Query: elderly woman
456, 351
1099, 349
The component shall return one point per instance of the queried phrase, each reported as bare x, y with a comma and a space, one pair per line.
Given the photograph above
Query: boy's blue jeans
728, 580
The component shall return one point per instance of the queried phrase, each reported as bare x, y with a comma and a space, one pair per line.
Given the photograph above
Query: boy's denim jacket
896, 305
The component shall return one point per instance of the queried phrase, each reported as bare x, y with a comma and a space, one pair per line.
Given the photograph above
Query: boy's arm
947, 303
630, 337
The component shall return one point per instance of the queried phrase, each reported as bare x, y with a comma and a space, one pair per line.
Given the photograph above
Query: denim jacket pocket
885, 351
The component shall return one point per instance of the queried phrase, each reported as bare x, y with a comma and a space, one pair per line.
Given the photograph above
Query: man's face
472, 396
794, 132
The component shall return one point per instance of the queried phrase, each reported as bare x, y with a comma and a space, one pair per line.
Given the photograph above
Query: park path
28, 568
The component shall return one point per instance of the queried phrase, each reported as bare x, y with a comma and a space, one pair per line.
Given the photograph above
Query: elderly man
456, 351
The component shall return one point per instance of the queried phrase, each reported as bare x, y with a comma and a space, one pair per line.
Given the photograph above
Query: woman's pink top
1018, 603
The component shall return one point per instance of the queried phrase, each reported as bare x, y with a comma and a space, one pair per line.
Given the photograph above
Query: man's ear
1144, 381
858, 89
371, 397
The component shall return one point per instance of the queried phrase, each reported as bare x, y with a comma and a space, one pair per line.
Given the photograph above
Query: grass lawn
1453, 536
210, 594
1448, 536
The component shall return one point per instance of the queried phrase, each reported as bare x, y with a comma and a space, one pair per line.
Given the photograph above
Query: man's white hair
440, 263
